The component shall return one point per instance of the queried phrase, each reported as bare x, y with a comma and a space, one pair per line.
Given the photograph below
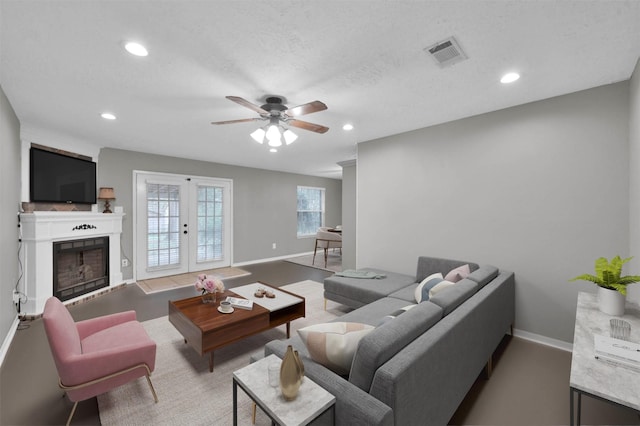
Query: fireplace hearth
80, 267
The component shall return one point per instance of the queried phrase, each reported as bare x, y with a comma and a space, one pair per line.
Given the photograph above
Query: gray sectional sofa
417, 368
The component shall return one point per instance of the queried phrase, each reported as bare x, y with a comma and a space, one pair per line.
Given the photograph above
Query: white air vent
446, 52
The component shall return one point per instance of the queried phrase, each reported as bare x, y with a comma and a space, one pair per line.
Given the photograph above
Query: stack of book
618, 351
240, 303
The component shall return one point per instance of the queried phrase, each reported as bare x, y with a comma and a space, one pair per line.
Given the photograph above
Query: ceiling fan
278, 115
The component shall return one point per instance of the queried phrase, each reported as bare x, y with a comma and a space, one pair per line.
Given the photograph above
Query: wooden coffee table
205, 329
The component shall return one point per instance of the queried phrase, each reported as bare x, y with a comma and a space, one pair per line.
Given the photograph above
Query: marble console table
596, 377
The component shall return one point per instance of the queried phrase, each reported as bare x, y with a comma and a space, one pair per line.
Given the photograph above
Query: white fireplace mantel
41, 229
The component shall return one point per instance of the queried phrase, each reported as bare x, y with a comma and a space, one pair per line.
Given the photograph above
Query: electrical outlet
16, 297
125, 263
273, 246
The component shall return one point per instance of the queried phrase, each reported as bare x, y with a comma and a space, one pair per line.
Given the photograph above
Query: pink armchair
99, 354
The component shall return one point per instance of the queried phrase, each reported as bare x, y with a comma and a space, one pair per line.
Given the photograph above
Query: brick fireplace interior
80, 266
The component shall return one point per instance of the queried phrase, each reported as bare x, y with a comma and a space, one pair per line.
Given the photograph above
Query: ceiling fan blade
308, 126
247, 104
308, 108
242, 120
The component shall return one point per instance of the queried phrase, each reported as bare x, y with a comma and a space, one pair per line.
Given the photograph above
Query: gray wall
10, 196
633, 292
264, 202
540, 189
349, 197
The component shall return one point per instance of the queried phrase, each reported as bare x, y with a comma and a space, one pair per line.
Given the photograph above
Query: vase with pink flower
209, 286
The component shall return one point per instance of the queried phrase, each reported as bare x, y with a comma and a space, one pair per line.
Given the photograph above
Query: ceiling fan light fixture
273, 150
273, 132
275, 142
289, 137
258, 135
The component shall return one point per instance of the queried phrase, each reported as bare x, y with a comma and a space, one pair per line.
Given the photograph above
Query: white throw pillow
334, 344
422, 291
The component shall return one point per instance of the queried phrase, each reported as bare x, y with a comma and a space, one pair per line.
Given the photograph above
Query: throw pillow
334, 344
458, 273
422, 291
439, 287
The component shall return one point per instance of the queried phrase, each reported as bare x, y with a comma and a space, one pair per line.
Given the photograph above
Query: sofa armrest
353, 405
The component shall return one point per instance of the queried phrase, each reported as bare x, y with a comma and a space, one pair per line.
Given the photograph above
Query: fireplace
80, 267
42, 229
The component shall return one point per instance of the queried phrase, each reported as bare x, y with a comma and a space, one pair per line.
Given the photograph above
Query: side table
312, 400
598, 378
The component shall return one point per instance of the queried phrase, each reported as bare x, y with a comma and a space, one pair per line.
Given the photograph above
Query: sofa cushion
334, 344
363, 291
384, 342
429, 265
483, 275
440, 286
374, 311
454, 295
395, 314
456, 274
421, 292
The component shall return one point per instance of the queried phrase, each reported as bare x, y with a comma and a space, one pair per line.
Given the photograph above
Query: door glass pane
163, 230
210, 202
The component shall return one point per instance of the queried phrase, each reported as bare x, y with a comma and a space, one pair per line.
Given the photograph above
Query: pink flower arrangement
209, 284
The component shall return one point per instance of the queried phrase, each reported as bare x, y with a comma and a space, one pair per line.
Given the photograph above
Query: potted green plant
612, 287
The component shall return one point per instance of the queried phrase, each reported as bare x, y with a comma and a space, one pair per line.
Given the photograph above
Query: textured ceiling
62, 64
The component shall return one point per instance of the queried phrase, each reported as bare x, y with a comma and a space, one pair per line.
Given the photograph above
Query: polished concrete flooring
529, 385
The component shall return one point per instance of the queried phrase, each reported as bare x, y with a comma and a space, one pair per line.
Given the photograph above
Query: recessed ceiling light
108, 116
347, 127
273, 150
509, 77
136, 49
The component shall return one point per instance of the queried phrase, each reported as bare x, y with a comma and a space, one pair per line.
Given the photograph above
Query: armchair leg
314, 253
153, 391
73, 411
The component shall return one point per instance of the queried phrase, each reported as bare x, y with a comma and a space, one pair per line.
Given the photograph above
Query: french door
182, 224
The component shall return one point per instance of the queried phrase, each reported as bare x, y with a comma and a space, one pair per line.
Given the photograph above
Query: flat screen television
58, 178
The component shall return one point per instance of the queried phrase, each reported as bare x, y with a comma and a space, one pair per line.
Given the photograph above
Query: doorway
182, 224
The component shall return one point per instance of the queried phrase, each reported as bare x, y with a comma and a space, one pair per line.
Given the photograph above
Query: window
310, 210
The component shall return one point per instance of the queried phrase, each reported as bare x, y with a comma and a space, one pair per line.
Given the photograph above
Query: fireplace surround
44, 230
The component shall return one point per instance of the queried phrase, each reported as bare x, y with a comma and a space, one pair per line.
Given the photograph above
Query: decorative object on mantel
290, 375
209, 286
106, 194
84, 227
612, 288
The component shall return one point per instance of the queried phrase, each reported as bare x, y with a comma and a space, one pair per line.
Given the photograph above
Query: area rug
188, 393
172, 282
334, 261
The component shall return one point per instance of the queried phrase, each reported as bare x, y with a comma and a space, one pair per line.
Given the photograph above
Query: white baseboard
543, 340
271, 259
4, 349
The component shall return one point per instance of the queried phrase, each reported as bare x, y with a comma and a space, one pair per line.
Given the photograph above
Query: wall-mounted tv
58, 178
